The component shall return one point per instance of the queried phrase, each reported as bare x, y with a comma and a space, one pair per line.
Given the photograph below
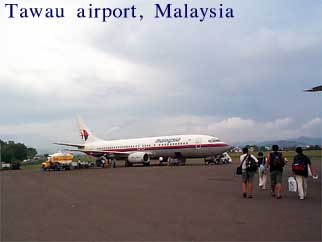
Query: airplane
314, 89
142, 150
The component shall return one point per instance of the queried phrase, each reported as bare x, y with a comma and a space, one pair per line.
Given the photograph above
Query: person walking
262, 174
300, 167
249, 164
276, 161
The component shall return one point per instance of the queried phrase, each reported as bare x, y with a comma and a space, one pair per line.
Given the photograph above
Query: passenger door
198, 143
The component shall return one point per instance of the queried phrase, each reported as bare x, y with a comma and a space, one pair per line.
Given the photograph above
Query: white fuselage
188, 146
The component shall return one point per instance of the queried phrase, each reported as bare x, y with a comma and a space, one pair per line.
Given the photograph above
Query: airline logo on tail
84, 134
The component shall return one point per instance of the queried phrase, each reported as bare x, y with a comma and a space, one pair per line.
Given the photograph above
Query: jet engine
139, 157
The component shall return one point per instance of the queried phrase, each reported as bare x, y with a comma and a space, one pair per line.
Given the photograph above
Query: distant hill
301, 141
309, 140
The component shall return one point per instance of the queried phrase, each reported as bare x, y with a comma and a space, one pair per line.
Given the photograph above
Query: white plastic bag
309, 171
292, 186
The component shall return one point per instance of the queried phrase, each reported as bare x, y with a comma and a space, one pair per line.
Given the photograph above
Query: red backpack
299, 164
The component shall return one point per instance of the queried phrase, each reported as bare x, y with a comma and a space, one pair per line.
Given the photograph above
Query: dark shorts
248, 176
276, 177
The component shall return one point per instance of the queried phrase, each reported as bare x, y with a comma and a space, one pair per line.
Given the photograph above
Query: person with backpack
276, 161
249, 164
300, 167
261, 170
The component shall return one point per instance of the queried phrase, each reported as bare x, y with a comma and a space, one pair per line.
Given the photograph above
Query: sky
237, 79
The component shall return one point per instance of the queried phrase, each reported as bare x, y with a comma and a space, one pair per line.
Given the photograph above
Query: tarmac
185, 203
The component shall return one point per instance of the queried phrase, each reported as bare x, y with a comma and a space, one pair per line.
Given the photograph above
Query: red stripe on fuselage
169, 147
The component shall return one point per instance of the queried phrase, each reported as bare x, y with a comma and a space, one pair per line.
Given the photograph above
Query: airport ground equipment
223, 158
173, 161
84, 164
176, 161
11, 166
15, 165
58, 161
74, 164
5, 166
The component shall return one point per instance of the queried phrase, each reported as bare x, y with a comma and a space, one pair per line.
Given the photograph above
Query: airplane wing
111, 154
94, 152
314, 89
72, 145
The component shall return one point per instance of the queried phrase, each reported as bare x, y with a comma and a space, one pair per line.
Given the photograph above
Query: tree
12, 152
20, 151
7, 154
31, 152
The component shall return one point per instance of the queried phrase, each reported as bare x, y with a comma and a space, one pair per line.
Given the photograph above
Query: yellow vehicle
58, 161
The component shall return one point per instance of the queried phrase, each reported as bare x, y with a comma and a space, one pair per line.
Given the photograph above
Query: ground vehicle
15, 165
5, 165
58, 161
85, 164
11, 166
175, 161
223, 158
170, 161
74, 164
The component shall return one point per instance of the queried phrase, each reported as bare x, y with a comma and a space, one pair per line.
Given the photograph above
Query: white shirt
242, 158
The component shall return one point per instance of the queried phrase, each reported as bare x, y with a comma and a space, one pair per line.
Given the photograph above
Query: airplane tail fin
85, 133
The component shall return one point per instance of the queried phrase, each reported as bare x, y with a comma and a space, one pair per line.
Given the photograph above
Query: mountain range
300, 141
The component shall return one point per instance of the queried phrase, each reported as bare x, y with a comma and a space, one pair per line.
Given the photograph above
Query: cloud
312, 127
237, 129
231, 130
239, 79
41, 135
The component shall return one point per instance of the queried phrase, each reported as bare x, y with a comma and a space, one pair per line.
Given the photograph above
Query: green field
31, 166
